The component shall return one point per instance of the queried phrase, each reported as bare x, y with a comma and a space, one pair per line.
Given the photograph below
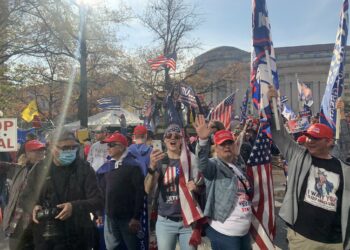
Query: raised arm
203, 148
152, 175
285, 143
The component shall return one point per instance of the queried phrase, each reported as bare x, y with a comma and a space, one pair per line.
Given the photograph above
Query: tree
171, 22
55, 28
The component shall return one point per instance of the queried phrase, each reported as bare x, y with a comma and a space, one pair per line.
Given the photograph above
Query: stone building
310, 62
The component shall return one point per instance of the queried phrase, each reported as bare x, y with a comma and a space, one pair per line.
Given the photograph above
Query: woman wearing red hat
17, 214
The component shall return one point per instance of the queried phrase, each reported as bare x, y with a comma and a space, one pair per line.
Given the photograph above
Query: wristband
151, 171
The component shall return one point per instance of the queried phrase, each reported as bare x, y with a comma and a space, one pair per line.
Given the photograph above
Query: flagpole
274, 103
337, 124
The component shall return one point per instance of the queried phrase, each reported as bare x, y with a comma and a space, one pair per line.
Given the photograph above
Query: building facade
311, 63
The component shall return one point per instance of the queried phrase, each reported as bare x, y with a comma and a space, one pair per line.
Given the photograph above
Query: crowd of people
60, 198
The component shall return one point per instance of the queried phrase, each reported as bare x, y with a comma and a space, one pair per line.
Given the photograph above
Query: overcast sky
228, 23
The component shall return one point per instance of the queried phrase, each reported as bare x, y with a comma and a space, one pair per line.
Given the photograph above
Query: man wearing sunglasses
316, 205
228, 205
67, 194
121, 180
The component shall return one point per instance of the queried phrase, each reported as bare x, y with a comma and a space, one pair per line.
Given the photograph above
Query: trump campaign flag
263, 66
335, 81
259, 169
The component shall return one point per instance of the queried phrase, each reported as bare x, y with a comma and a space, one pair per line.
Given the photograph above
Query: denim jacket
221, 184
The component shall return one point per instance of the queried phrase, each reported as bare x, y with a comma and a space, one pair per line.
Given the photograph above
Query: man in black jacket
67, 194
122, 183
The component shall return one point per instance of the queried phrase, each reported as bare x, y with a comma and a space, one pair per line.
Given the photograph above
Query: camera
47, 214
51, 226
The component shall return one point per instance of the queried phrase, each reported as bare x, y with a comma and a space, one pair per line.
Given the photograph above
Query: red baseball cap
319, 130
301, 139
140, 130
33, 145
222, 136
116, 137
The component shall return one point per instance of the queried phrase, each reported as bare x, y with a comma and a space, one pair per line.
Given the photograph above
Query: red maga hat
116, 137
33, 145
140, 130
301, 139
222, 136
320, 131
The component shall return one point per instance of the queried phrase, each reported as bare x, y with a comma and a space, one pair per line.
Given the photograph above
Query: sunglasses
175, 136
112, 144
65, 148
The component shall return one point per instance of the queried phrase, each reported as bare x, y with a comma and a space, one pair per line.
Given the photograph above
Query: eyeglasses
226, 143
112, 145
175, 136
65, 148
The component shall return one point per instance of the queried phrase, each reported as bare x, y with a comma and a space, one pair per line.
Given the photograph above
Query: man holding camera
67, 194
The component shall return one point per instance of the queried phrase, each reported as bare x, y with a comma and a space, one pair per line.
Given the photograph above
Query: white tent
108, 118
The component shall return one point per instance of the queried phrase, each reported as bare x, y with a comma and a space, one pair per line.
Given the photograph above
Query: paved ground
280, 241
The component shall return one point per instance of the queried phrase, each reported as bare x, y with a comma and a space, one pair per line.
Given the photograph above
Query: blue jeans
168, 232
220, 241
117, 235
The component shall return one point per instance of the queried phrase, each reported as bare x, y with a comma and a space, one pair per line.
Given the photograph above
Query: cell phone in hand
157, 144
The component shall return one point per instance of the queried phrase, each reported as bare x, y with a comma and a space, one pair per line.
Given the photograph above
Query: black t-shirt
169, 201
319, 206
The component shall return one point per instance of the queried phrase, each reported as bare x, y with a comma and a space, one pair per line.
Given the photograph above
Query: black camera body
48, 213
46, 217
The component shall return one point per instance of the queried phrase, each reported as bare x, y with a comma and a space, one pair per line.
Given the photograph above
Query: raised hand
155, 156
201, 127
340, 104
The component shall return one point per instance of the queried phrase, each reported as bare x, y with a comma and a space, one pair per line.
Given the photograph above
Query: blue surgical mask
66, 157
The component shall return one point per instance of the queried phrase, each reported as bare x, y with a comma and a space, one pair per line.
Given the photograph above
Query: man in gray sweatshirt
317, 202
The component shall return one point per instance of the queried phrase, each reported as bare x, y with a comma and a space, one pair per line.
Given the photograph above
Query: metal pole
274, 103
83, 107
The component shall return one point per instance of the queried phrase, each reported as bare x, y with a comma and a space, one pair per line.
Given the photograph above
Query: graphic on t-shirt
170, 185
321, 189
243, 199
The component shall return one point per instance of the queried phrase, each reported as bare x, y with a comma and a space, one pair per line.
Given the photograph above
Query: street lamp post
83, 105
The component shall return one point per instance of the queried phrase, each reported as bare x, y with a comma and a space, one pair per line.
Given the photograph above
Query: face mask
66, 157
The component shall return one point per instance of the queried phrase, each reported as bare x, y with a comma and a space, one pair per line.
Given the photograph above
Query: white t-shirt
238, 223
97, 155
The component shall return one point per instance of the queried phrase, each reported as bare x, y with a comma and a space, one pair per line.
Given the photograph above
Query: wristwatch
151, 171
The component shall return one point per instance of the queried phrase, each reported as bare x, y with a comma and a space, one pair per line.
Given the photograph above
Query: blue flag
335, 81
259, 75
244, 107
173, 113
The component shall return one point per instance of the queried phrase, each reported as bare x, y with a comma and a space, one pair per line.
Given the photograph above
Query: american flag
223, 111
109, 103
259, 169
169, 178
168, 61
187, 96
335, 80
260, 77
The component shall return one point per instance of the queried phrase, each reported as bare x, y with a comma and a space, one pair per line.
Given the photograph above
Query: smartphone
157, 144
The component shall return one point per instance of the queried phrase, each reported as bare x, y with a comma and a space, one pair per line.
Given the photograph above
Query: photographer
67, 196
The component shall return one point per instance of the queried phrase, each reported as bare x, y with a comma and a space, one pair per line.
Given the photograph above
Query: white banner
8, 134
